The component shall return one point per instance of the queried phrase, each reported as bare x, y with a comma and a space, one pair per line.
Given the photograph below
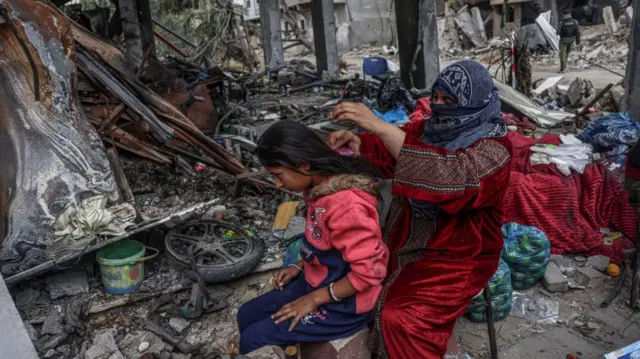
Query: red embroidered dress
438, 263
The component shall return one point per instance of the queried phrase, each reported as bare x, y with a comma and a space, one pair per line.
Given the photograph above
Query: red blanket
570, 210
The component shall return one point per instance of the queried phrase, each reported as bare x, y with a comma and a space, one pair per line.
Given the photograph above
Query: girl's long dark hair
291, 145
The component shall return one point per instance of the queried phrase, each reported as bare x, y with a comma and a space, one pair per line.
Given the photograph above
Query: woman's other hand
360, 114
284, 276
345, 138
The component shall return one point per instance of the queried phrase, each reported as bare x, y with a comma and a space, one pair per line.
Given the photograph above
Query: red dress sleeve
374, 150
469, 178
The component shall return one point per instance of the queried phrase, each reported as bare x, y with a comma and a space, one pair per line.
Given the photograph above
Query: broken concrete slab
589, 277
609, 20
465, 23
574, 93
595, 53
553, 279
67, 284
179, 324
26, 298
53, 323
104, 346
547, 84
478, 22
599, 262
14, 341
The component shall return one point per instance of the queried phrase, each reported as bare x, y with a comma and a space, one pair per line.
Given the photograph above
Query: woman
443, 229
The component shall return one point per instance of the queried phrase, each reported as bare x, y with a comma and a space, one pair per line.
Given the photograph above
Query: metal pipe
600, 66
169, 43
174, 34
490, 326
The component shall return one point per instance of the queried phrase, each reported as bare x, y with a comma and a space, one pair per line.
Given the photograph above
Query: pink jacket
342, 215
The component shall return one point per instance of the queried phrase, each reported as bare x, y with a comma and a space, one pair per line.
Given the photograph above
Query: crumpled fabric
79, 225
522, 124
571, 154
422, 110
613, 135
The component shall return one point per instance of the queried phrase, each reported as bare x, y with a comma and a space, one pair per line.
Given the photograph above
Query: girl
331, 292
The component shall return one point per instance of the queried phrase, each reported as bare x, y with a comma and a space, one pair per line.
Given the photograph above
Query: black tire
219, 273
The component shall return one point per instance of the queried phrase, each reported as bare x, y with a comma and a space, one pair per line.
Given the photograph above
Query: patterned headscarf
476, 114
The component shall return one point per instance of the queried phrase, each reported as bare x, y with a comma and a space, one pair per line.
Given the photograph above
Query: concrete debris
553, 279
179, 324
609, 19
33, 334
53, 323
599, 262
143, 347
466, 24
104, 346
68, 283
589, 277
26, 298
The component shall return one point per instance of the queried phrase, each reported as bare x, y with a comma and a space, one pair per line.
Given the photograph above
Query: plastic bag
501, 293
292, 255
526, 251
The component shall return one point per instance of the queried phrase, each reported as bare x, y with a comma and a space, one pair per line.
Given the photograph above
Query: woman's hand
360, 114
284, 276
296, 309
345, 138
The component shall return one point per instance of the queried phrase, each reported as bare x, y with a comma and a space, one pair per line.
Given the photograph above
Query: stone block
553, 279
589, 277
599, 262
353, 347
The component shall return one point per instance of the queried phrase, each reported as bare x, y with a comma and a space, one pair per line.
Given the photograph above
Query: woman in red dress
449, 173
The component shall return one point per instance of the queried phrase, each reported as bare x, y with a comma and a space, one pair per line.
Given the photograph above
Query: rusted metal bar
119, 176
167, 42
490, 325
113, 117
174, 34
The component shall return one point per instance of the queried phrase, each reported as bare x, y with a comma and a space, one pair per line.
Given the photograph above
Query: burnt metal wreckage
56, 121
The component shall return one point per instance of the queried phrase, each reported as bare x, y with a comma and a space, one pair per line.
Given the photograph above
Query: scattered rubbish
122, 266
629, 352
535, 309
178, 342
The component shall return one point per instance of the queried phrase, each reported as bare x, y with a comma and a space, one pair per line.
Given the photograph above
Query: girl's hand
358, 113
345, 138
285, 276
296, 310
